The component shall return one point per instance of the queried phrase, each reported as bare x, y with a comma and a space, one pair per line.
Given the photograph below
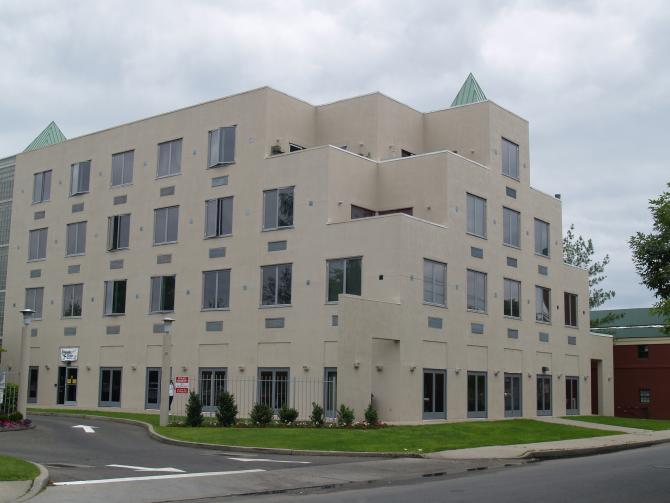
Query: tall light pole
165, 371
22, 399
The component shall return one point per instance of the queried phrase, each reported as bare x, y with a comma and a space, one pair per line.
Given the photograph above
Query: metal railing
9, 392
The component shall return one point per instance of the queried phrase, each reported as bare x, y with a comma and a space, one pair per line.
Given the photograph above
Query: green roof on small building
629, 323
50, 136
470, 93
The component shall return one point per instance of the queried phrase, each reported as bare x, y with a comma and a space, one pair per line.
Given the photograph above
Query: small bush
345, 416
15, 416
371, 416
261, 414
194, 410
226, 413
317, 417
287, 415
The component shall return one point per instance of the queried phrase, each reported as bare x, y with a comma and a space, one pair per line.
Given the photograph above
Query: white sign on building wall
69, 354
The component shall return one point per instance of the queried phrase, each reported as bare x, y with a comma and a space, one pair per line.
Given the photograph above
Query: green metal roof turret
470, 93
50, 136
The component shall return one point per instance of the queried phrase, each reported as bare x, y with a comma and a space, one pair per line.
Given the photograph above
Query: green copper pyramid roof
50, 136
470, 93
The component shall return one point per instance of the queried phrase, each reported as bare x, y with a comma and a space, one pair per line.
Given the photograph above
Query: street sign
181, 384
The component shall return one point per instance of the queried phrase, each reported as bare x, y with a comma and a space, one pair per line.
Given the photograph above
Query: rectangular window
344, 276
218, 217
476, 207
166, 225
169, 158
75, 239
512, 395
152, 399
645, 396
216, 289
544, 395
110, 387
122, 168
278, 208
34, 299
33, 378
80, 177
476, 291
434, 282
162, 294
510, 159
41, 186
542, 304
570, 300
643, 351
221, 146
572, 395
434, 394
477, 394
115, 297
212, 383
511, 227
118, 232
72, 300
37, 244
273, 387
541, 237
276, 285
360, 212
512, 302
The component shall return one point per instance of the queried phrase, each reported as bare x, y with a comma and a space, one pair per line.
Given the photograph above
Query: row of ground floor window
274, 387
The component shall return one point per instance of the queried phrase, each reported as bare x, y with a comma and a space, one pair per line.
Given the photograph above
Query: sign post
165, 372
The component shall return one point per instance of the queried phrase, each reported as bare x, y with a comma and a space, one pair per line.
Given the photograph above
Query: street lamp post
165, 371
22, 399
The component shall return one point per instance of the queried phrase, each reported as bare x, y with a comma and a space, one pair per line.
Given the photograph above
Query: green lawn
16, 469
626, 422
421, 438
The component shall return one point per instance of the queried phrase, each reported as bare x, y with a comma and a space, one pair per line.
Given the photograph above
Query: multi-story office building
389, 253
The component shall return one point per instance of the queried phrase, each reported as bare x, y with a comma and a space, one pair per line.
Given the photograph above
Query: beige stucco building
244, 218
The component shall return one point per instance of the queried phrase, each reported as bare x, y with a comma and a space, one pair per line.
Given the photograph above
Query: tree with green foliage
226, 411
194, 410
651, 255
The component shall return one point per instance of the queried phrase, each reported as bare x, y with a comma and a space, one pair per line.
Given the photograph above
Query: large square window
344, 276
37, 244
122, 168
80, 177
162, 294
75, 239
216, 289
169, 158
72, 300
115, 297
221, 146
276, 285
166, 225
41, 186
219, 217
278, 208
118, 232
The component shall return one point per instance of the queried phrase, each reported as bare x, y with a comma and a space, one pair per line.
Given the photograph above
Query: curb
589, 451
39, 483
239, 448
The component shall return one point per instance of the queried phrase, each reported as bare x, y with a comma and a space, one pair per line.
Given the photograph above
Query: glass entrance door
434, 394
153, 389
330, 393
67, 386
33, 373
513, 395
572, 396
544, 395
477, 394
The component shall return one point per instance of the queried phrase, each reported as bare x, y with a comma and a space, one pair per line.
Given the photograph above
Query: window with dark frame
118, 232
344, 276
476, 214
477, 394
219, 217
169, 158
512, 298
110, 387
541, 237
166, 225
643, 351
122, 168
570, 303
510, 159
34, 301
216, 289
645, 396
273, 387
476, 291
434, 282
72, 300
80, 177
511, 227
115, 297
276, 285
162, 294
75, 239
221, 146
37, 244
278, 208
212, 382
542, 304
41, 186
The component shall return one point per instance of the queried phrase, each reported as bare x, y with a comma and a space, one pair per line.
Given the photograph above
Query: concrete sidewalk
632, 438
23, 490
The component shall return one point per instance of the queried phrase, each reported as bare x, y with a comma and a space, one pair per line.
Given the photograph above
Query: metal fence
9, 392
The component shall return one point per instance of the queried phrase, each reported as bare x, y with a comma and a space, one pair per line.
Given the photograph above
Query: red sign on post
181, 384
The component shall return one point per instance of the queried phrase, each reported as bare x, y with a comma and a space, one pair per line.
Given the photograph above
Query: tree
651, 255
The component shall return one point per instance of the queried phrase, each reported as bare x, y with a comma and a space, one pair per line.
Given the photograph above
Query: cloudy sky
592, 77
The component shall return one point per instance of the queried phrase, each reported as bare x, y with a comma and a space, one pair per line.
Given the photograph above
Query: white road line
146, 469
153, 477
87, 429
247, 460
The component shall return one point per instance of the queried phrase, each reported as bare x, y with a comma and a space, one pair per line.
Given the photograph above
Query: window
541, 237
512, 302
278, 208
166, 225
570, 300
512, 395
152, 397
37, 244
162, 294
542, 304
344, 276
221, 146
110, 387
72, 300
216, 289
169, 158
41, 186
476, 207
643, 351
330, 392
80, 176
511, 227
75, 239
572, 395
273, 387
212, 383
118, 232
510, 159
276, 285
122, 168
434, 394
34, 298
115, 297
476, 394
33, 378
544, 395
219, 217
406, 211
360, 212
476, 291
645, 396
434, 282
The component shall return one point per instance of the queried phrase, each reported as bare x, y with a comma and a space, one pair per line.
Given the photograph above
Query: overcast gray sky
592, 77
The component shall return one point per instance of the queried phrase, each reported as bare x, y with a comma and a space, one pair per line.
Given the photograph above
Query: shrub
317, 417
194, 410
261, 414
345, 416
15, 416
226, 413
287, 415
371, 416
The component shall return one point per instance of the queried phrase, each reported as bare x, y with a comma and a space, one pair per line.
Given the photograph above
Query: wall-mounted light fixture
357, 364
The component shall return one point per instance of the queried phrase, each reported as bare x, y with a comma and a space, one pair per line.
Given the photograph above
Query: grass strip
16, 469
626, 422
